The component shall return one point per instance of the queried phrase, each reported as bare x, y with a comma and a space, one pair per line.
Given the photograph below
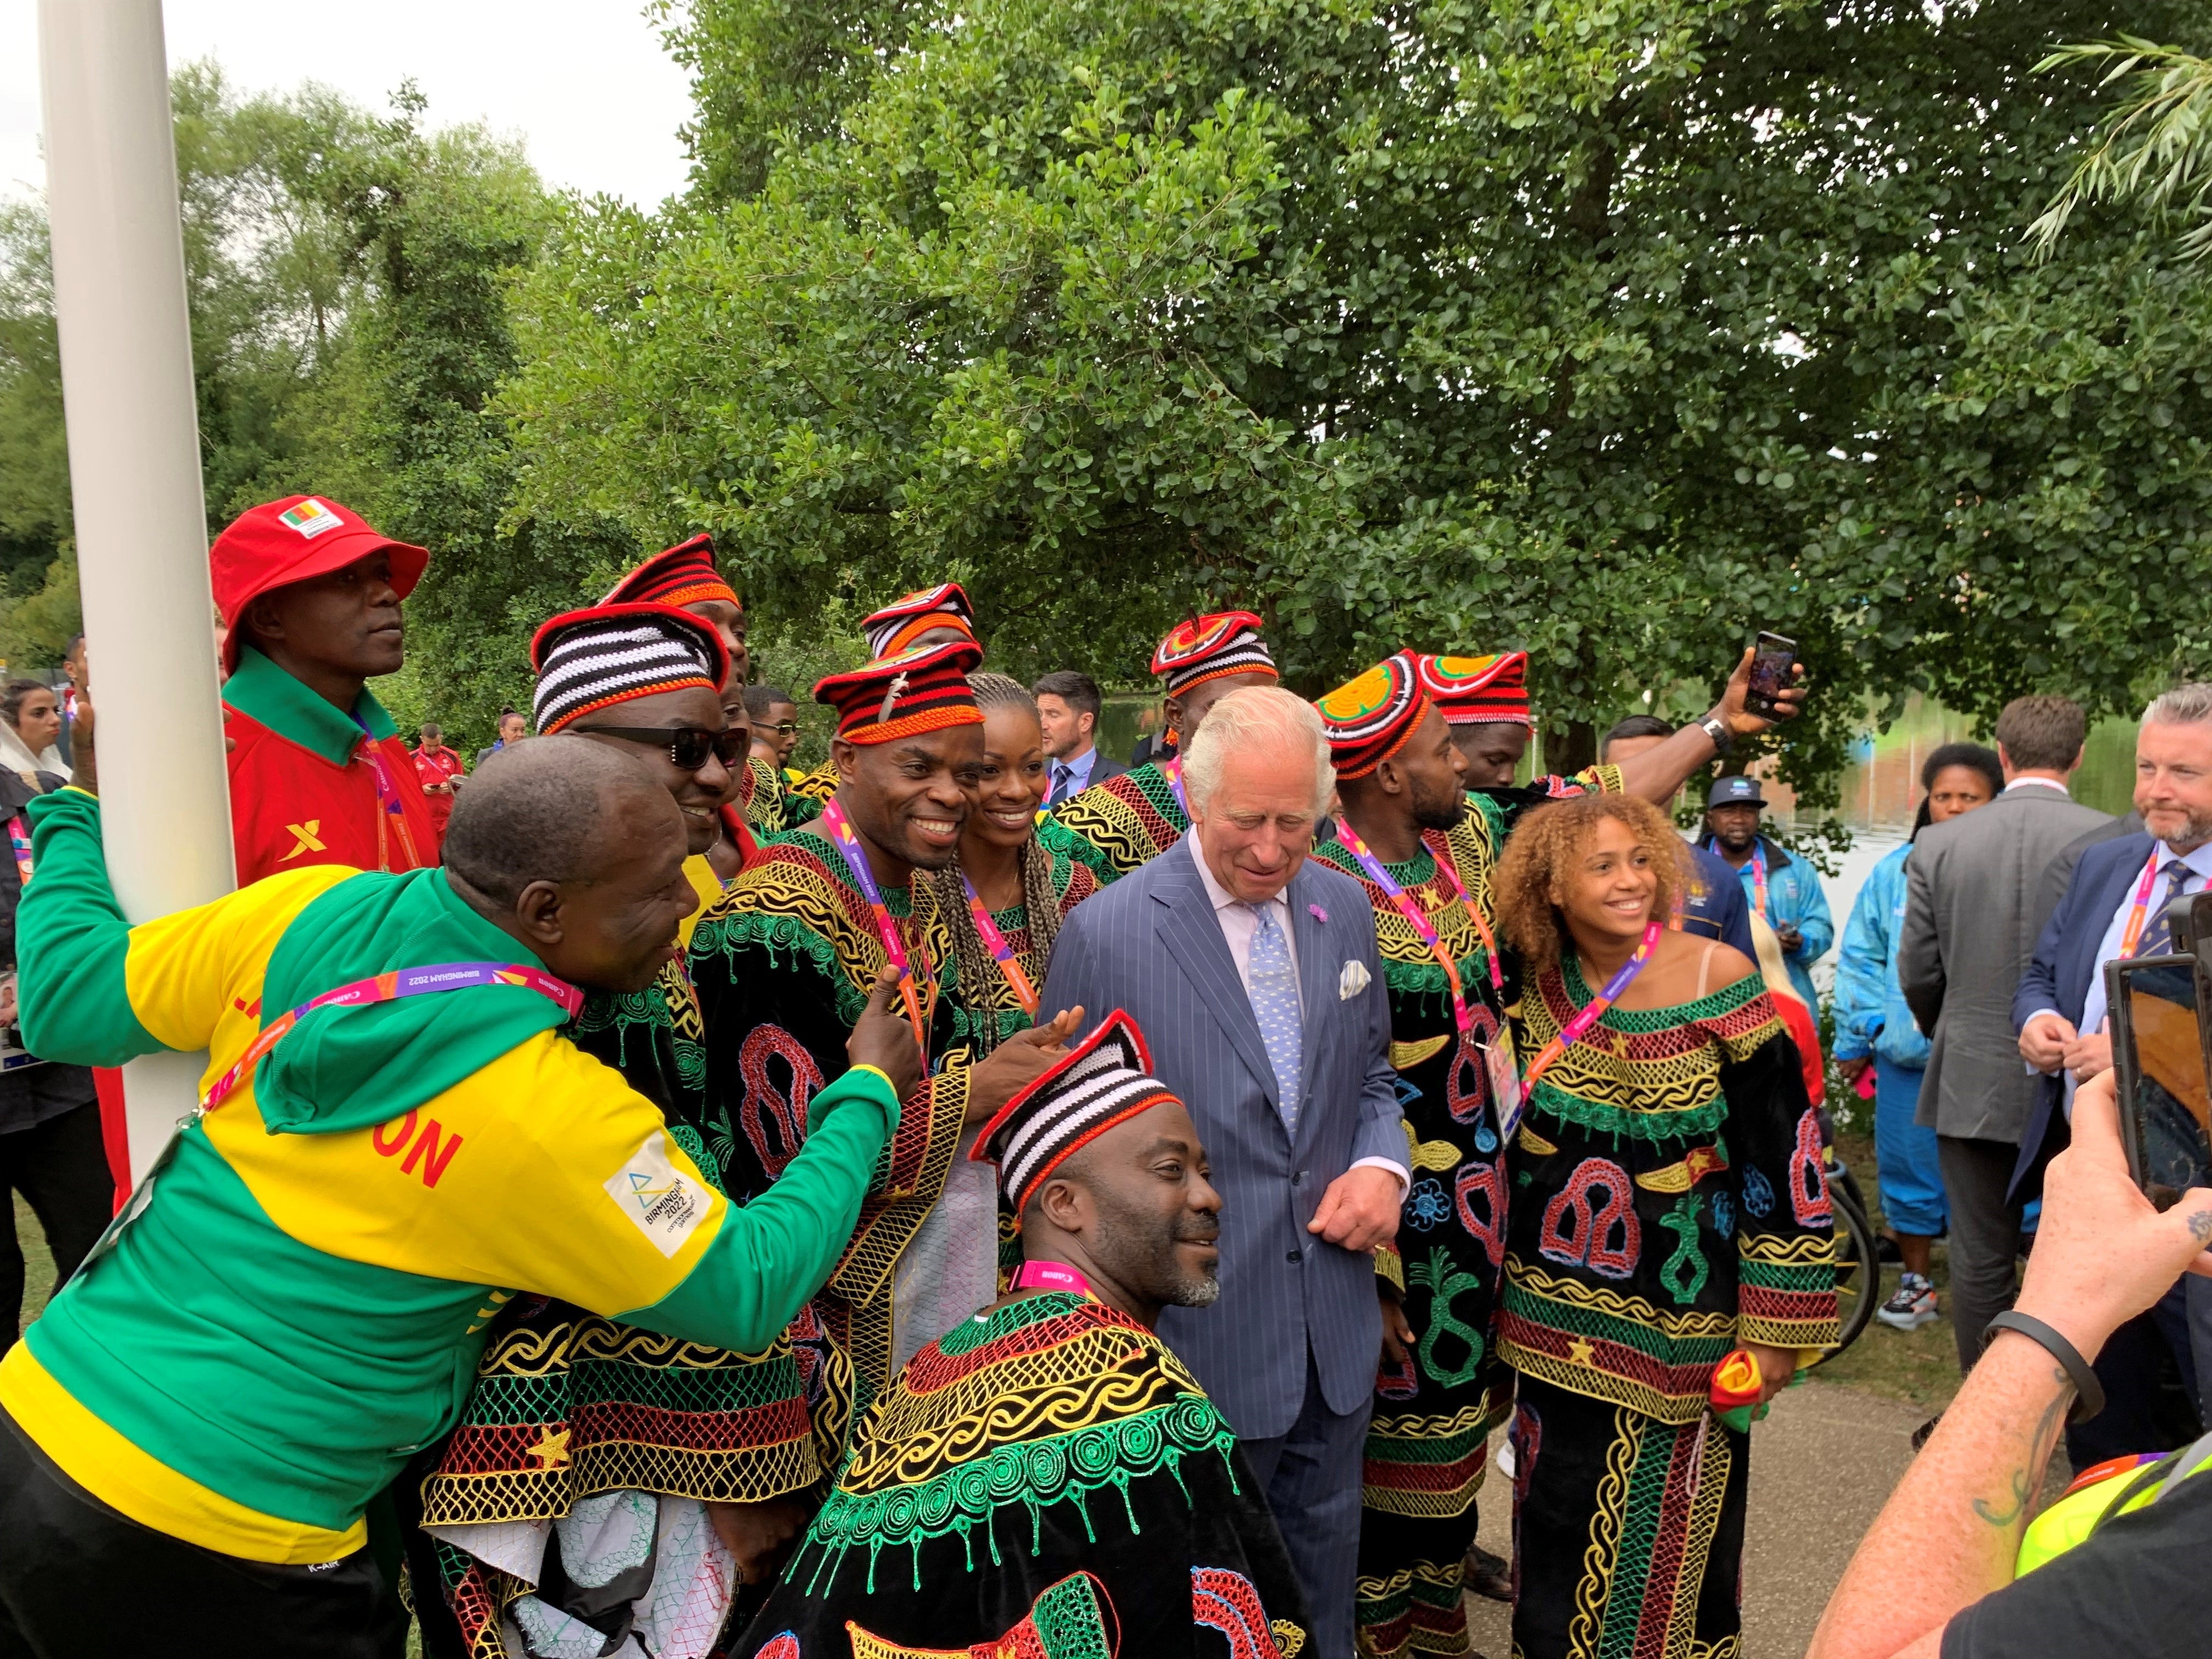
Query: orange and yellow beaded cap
1369, 718
1208, 648
1491, 690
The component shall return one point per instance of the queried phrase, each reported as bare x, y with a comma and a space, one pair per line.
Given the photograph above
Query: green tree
1611, 331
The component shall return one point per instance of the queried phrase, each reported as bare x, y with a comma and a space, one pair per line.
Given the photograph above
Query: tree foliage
2155, 148
1610, 329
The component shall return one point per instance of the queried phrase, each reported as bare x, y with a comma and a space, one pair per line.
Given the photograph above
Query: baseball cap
295, 539
1737, 791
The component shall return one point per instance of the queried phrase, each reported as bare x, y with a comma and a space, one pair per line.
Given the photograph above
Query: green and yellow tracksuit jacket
302, 1305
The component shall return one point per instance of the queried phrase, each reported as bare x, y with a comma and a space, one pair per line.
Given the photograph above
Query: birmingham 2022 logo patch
666, 1204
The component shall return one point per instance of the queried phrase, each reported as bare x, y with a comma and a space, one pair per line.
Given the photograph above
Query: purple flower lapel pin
1317, 913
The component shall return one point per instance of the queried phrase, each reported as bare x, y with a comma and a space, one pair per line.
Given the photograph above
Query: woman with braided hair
1002, 900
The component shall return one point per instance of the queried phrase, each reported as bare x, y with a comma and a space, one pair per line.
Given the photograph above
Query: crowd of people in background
977, 1195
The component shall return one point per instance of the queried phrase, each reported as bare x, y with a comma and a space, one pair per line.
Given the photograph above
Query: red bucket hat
295, 539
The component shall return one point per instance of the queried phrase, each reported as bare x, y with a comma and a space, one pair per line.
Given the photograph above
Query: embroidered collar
265, 692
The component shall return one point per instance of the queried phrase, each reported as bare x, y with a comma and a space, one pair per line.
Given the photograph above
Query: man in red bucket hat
310, 595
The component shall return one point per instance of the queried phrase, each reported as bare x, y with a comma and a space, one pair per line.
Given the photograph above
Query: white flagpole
126, 358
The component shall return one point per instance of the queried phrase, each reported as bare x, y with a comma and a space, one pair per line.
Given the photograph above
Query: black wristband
2089, 1394
1716, 732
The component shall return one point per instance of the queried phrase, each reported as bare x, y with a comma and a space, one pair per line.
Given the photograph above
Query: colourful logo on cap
310, 517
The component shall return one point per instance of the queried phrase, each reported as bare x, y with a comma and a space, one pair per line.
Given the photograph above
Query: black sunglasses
687, 745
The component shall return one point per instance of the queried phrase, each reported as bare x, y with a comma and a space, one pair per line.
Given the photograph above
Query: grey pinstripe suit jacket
1152, 944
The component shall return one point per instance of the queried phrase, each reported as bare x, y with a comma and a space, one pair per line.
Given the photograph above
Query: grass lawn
38, 1261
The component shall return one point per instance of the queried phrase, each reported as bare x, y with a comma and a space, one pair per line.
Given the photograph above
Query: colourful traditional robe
1667, 1205
782, 965
1123, 823
1045, 1481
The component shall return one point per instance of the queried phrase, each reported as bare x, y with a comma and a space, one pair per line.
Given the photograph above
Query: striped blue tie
1273, 988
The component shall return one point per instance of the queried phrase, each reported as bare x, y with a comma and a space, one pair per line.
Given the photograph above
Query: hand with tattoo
2102, 1253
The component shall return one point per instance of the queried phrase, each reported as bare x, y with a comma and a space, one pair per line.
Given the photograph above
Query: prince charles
1254, 974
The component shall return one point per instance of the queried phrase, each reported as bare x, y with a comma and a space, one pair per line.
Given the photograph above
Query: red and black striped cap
1369, 718
896, 627
1491, 690
1209, 648
894, 698
683, 574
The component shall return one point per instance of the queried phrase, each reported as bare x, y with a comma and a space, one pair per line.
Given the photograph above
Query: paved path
1822, 1464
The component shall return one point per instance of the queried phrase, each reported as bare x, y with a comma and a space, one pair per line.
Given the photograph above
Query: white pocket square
1353, 981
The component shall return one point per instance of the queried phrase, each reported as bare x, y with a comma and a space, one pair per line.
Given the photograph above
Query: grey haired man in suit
1975, 901
1254, 975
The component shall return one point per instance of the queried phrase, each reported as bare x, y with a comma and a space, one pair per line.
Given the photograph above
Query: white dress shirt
1239, 921
2094, 1007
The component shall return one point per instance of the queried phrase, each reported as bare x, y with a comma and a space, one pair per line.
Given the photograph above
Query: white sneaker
1912, 1306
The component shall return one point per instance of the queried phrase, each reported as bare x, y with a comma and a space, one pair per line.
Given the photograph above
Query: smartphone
2160, 1065
1773, 663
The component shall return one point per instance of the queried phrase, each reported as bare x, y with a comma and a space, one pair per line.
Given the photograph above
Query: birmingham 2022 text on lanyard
1593, 1011
847, 844
1017, 979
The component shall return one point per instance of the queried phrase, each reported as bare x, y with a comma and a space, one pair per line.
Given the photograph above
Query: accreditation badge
1505, 1094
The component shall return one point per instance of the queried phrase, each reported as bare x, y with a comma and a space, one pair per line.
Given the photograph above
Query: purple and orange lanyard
19, 838
1593, 1011
2137, 914
1758, 877
848, 844
387, 800
1018, 978
382, 987
1421, 924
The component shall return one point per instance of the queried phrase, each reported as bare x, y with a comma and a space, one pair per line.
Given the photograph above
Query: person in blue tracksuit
1786, 891
1874, 1029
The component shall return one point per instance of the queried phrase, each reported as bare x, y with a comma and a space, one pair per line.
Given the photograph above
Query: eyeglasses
784, 728
687, 745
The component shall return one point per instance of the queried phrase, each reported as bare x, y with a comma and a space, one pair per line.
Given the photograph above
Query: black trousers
79, 1581
60, 1167
1984, 1235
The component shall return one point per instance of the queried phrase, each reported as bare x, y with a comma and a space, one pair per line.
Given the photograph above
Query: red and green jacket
301, 1305
303, 784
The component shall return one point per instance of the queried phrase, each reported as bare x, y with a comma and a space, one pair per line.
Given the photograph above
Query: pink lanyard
19, 837
1050, 1276
1594, 1010
856, 860
2128, 939
1171, 769
387, 800
386, 987
1003, 953
1421, 925
1758, 876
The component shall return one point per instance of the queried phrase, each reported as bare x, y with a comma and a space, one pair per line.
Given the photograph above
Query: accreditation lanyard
2137, 912
1758, 876
848, 846
1594, 1010
1171, 769
1420, 921
1003, 953
19, 838
382, 988
388, 987
389, 808
1050, 1276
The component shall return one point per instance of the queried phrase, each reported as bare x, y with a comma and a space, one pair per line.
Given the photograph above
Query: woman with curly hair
1667, 1206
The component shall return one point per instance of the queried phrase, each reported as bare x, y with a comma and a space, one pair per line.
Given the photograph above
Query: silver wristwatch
1723, 740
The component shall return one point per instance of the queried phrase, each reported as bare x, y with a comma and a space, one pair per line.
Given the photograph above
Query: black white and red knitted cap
1103, 1080
609, 653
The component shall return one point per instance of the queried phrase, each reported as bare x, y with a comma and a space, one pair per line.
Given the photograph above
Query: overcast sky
584, 82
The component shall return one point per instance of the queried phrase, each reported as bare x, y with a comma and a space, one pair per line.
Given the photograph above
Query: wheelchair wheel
1858, 1267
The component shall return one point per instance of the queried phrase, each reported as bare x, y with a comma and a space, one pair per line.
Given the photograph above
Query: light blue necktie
1062, 775
1273, 988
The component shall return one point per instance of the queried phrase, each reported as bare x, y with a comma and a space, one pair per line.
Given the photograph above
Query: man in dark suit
1067, 710
2115, 908
1973, 911
1254, 975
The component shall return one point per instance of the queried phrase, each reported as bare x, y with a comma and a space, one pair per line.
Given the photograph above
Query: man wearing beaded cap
1123, 823
782, 965
687, 577
1400, 782
932, 615
1047, 1479
578, 1422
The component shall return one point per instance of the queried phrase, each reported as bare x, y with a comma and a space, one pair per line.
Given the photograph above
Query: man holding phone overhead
2116, 910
